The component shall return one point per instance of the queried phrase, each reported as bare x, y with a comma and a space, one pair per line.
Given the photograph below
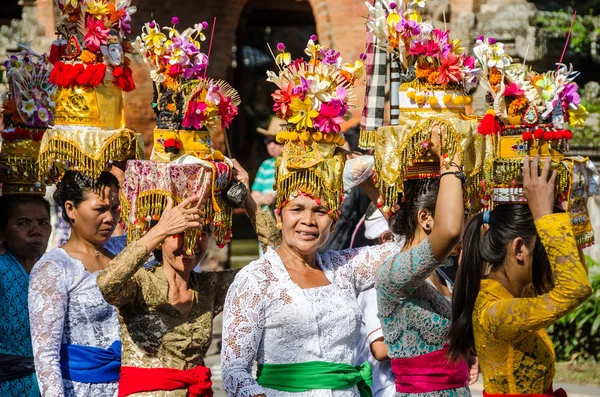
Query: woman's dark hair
8, 204
488, 251
419, 194
74, 185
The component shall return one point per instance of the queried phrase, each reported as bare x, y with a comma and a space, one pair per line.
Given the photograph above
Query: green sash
300, 377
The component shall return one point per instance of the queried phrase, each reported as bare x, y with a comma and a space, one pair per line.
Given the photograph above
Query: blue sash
91, 364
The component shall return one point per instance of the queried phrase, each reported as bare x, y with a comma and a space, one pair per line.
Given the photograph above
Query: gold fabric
314, 169
367, 139
398, 148
193, 143
21, 175
90, 150
516, 356
514, 146
155, 334
100, 106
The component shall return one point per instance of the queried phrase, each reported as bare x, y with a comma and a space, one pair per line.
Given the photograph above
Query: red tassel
568, 134
56, 73
489, 125
527, 136
54, 52
538, 133
98, 75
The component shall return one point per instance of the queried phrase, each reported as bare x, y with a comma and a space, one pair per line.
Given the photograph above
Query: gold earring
279, 225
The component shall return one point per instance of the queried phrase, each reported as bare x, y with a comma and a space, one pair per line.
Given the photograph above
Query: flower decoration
31, 101
175, 56
313, 96
212, 104
91, 43
437, 60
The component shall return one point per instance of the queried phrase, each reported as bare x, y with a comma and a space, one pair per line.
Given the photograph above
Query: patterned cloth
154, 333
415, 317
15, 338
265, 177
515, 354
268, 318
375, 83
66, 307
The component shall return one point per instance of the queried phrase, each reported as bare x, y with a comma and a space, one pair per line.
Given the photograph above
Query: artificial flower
282, 99
577, 117
154, 38
330, 116
227, 111
96, 34
513, 90
408, 28
318, 90
330, 56
570, 95
42, 116
195, 115
178, 57
432, 48
356, 70
28, 107
283, 58
96, 8
517, 107
547, 87
449, 70
303, 113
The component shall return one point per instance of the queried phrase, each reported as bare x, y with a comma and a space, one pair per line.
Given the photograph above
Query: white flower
43, 115
28, 107
318, 91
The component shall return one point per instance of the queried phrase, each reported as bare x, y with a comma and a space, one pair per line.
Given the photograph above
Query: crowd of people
472, 241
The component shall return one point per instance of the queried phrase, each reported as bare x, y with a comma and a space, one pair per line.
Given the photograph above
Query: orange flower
171, 83
88, 57
347, 75
495, 76
423, 71
394, 41
517, 107
433, 77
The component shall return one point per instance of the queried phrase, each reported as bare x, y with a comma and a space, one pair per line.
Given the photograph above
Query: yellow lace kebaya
516, 355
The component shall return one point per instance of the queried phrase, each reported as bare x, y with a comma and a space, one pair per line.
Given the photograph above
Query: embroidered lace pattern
268, 318
66, 306
415, 317
515, 353
154, 333
15, 338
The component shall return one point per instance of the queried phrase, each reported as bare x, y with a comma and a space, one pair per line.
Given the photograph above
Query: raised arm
508, 319
243, 321
117, 282
48, 297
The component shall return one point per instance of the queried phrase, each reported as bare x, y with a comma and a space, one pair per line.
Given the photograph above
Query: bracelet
458, 174
449, 164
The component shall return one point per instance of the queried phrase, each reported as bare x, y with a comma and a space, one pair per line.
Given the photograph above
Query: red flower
449, 70
283, 98
227, 111
489, 125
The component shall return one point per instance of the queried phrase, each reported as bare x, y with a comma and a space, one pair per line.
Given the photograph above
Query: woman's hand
473, 370
539, 190
240, 174
438, 135
176, 220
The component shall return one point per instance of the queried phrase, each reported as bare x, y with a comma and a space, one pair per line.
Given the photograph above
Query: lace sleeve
509, 318
48, 297
404, 272
363, 262
223, 281
243, 321
117, 282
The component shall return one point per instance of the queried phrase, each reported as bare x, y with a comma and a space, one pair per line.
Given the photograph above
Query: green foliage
556, 24
576, 334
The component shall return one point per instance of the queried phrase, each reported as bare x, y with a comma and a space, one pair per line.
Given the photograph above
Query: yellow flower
283, 59
413, 15
97, 8
356, 70
154, 39
303, 113
393, 19
577, 117
456, 48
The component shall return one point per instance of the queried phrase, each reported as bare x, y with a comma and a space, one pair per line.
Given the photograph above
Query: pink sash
429, 372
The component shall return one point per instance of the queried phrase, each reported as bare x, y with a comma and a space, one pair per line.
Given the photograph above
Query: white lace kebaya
270, 319
66, 307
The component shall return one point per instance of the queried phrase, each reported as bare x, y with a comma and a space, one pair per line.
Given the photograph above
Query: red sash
429, 372
136, 380
556, 393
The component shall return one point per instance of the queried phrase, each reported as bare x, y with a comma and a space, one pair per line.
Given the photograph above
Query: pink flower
469, 62
417, 48
513, 90
432, 48
283, 98
227, 111
195, 116
96, 33
330, 117
449, 70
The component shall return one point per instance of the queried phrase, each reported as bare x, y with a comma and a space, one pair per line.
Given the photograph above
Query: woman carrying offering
74, 331
519, 274
166, 311
413, 295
